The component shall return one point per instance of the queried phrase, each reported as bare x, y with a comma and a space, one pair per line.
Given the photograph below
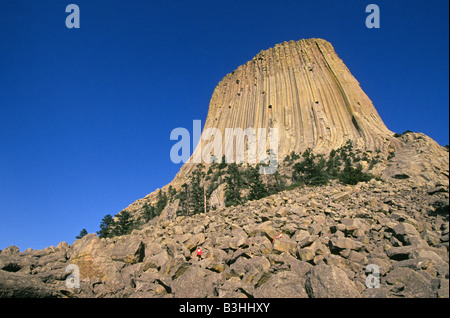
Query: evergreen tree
311, 170
83, 233
171, 192
233, 186
124, 224
149, 212
197, 198
333, 165
350, 175
161, 202
222, 163
295, 156
279, 183
183, 195
210, 187
346, 151
106, 226
257, 188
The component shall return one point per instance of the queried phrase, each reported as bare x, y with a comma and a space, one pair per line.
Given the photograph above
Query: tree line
245, 183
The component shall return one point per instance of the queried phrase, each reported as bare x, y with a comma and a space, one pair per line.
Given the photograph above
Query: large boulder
282, 285
170, 211
284, 244
156, 261
401, 253
341, 243
194, 241
406, 282
17, 285
93, 260
196, 282
130, 251
174, 266
267, 230
328, 281
407, 234
244, 265
10, 250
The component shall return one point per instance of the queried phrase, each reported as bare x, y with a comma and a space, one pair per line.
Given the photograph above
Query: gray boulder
196, 282
16, 285
328, 281
406, 282
282, 285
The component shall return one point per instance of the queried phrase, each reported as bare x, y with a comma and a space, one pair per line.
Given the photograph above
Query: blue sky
86, 114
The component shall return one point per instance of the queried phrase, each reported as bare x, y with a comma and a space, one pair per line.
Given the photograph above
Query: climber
277, 237
199, 253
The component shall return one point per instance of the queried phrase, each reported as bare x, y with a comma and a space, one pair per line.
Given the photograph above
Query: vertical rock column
305, 91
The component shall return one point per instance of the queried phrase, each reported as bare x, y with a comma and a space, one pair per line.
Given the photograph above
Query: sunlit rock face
305, 91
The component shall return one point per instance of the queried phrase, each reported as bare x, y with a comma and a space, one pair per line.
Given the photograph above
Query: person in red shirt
199, 253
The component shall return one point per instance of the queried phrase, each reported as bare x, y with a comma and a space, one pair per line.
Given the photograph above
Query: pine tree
161, 202
333, 164
171, 192
124, 224
197, 199
222, 163
82, 234
106, 226
311, 170
350, 175
257, 188
233, 186
183, 195
149, 212
279, 182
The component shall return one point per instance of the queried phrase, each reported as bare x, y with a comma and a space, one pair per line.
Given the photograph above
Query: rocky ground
333, 239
